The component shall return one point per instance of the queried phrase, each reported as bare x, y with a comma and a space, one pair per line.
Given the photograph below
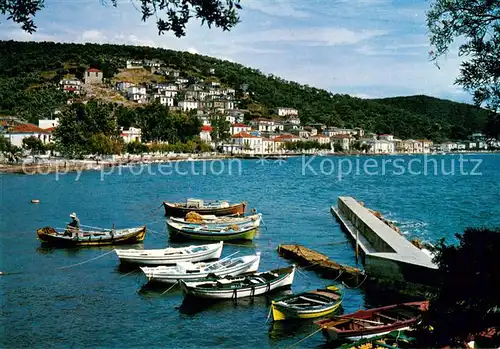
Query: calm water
97, 305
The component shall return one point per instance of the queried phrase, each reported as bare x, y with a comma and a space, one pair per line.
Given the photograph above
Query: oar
354, 319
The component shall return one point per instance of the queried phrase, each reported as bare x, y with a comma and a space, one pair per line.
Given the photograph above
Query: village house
378, 146
248, 142
205, 133
173, 73
181, 81
266, 125
282, 111
152, 63
344, 140
425, 145
286, 137
124, 85
386, 137
48, 124
93, 76
17, 133
301, 133
164, 100
134, 64
137, 94
312, 130
271, 146
187, 105
239, 127
321, 139
71, 85
293, 120
131, 135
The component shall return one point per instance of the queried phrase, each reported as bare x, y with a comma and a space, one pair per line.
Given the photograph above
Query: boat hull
170, 278
183, 235
285, 313
332, 335
172, 210
284, 281
135, 257
120, 237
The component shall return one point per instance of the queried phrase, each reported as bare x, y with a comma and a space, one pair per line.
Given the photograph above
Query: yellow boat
307, 305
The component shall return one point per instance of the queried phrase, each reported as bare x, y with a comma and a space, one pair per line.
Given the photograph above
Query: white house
123, 85
19, 132
181, 81
344, 140
188, 105
137, 94
205, 133
321, 139
239, 127
48, 124
249, 143
131, 135
164, 100
266, 125
132, 64
282, 111
449, 146
378, 146
71, 85
386, 137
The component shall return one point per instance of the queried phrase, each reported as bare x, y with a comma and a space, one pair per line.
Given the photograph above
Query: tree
219, 13
100, 144
477, 24
33, 144
469, 292
221, 129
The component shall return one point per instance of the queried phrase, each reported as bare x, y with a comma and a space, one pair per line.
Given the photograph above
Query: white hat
73, 215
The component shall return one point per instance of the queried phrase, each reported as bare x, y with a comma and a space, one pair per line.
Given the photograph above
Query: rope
130, 272
340, 274
90, 260
343, 283
303, 339
269, 314
171, 287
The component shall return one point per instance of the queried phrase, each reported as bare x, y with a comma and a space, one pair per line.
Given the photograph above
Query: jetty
387, 255
321, 264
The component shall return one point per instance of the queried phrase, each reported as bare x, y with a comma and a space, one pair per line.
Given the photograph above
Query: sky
365, 48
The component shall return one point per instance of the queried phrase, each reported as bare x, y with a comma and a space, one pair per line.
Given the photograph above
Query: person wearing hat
74, 226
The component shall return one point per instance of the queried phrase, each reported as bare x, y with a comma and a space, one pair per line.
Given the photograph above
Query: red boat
373, 322
217, 208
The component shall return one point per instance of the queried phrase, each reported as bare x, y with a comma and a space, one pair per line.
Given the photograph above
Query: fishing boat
212, 232
240, 286
215, 207
211, 220
170, 255
307, 305
373, 322
51, 236
186, 271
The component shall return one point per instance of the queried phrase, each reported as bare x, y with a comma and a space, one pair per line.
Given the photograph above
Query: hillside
29, 72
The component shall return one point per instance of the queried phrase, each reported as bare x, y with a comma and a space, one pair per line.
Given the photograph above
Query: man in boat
74, 226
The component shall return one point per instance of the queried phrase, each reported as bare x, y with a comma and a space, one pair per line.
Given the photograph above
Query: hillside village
207, 97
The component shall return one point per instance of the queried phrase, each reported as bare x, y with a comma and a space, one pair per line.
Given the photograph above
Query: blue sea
93, 303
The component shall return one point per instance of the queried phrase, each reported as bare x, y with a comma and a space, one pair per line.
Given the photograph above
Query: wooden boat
187, 271
217, 208
171, 255
211, 220
373, 322
181, 232
51, 236
307, 305
240, 286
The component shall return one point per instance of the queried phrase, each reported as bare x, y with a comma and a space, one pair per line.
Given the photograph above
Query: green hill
29, 72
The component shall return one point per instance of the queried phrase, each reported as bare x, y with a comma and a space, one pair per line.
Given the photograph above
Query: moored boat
240, 286
217, 208
209, 232
51, 236
307, 305
170, 255
186, 271
373, 322
211, 220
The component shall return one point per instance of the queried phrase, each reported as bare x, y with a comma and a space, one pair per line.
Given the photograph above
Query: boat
216, 207
51, 236
373, 322
240, 286
187, 271
216, 220
170, 255
181, 232
307, 305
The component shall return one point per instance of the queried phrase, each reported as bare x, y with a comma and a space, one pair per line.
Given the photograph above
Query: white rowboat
187, 271
170, 255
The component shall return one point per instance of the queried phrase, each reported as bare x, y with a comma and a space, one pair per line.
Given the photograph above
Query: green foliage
21, 64
136, 148
33, 144
101, 144
221, 14
476, 25
10, 151
469, 291
221, 129
83, 126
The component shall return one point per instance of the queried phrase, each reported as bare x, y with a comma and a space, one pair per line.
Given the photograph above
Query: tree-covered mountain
29, 72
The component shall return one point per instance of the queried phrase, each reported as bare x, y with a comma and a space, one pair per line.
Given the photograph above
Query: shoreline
66, 166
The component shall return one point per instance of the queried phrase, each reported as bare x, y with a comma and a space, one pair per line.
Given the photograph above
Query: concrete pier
387, 255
